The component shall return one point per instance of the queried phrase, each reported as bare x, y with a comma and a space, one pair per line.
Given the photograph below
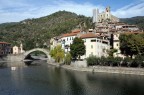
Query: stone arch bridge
37, 49
21, 57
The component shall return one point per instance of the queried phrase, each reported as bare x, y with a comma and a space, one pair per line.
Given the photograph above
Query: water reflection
34, 62
3, 64
44, 79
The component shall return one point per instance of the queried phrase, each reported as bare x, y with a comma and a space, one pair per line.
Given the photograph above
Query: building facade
17, 50
104, 16
90, 44
67, 39
5, 48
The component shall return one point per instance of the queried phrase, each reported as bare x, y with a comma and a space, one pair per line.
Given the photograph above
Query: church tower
21, 48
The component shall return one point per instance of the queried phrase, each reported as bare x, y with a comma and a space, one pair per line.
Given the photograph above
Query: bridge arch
37, 49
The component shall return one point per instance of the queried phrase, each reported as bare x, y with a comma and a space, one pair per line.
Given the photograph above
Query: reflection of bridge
21, 57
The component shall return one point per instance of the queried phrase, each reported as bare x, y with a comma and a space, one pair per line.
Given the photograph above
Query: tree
57, 53
111, 52
139, 60
132, 44
77, 49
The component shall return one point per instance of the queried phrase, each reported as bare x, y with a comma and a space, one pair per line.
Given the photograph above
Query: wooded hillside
37, 32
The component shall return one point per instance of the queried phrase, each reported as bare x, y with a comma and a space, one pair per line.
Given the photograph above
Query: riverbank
103, 69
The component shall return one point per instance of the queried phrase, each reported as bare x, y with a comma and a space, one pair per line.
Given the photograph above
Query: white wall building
18, 50
90, 44
96, 45
15, 50
127, 27
67, 39
102, 46
55, 42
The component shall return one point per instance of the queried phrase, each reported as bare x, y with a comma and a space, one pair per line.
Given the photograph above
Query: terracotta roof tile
4, 43
69, 34
88, 35
73, 33
132, 33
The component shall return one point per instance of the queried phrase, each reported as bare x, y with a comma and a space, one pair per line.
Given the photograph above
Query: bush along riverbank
106, 65
137, 62
112, 65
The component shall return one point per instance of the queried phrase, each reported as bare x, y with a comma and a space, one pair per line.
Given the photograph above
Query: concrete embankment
103, 69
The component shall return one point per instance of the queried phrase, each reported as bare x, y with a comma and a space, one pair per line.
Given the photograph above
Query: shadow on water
3, 64
34, 62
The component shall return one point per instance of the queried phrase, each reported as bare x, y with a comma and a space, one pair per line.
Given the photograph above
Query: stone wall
14, 58
120, 70
79, 63
106, 69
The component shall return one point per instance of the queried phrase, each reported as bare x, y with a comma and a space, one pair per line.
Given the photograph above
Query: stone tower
95, 15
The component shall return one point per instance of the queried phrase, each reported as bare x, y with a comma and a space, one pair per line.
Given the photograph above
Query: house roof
88, 35
73, 33
135, 32
4, 43
69, 34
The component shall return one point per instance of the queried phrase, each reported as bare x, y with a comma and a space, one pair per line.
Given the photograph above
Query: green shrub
103, 61
67, 59
138, 61
110, 61
118, 60
92, 60
126, 62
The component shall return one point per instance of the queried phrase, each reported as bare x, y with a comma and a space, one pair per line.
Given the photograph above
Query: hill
138, 20
37, 32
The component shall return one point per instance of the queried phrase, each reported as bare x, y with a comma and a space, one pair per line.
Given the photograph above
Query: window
93, 40
92, 46
91, 53
116, 35
84, 40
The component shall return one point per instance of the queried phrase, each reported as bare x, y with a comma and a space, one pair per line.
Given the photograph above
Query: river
44, 79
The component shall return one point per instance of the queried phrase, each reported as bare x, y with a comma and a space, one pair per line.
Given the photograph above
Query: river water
43, 79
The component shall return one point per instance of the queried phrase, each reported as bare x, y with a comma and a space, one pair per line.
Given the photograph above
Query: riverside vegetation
138, 61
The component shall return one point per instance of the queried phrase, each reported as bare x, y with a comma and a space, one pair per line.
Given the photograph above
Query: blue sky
17, 10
